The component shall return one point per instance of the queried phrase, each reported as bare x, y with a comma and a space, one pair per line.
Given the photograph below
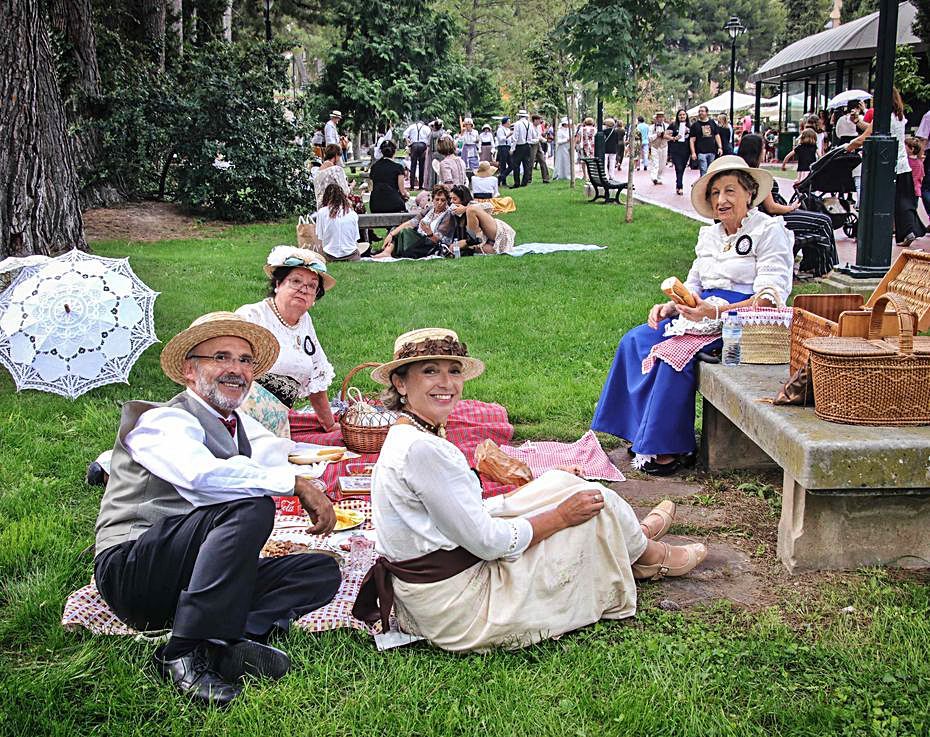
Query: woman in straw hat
557, 554
741, 254
297, 280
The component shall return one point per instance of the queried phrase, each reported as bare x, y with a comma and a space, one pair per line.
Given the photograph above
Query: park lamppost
268, 20
734, 28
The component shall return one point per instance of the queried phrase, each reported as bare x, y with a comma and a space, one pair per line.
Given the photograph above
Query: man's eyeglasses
227, 359
299, 286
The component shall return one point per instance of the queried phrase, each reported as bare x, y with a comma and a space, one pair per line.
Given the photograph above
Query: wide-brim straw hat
485, 169
301, 258
728, 164
265, 346
428, 344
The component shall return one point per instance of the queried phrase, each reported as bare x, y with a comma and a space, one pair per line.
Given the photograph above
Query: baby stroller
829, 188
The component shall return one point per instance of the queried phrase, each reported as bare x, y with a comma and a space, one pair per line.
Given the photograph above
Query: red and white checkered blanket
678, 350
585, 452
470, 424
86, 609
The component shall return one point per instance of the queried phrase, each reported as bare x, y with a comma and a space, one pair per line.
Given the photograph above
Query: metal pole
757, 122
880, 153
732, 73
268, 20
599, 136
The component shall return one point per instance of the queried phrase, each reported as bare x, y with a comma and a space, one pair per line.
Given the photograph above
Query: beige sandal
656, 571
665, 511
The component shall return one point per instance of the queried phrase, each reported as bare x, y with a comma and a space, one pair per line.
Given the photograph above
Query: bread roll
677, 292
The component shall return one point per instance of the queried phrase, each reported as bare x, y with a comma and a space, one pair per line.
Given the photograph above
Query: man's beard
211, 391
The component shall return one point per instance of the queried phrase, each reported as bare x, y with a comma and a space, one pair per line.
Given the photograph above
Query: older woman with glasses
297, 279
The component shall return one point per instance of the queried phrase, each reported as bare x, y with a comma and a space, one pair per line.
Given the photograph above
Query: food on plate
347, 518
677, 292
327, 455
280, 548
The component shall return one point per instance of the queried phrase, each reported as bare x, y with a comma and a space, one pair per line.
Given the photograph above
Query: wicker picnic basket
870, 381
366, 422
846, 315
766, 330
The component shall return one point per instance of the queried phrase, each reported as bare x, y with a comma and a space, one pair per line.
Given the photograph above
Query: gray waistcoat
135, 499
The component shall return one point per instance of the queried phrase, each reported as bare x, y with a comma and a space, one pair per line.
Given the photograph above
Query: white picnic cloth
544, 248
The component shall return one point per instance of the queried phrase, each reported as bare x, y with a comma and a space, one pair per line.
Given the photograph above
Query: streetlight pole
268, 20
734, 28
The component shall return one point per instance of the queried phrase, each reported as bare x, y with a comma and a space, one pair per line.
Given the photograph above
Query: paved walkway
663, 195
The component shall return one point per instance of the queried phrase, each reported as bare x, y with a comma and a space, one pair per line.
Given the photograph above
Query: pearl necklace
285, 323
420, 424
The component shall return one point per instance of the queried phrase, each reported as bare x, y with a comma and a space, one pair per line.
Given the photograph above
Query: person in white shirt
468, 138
417, 137
388, 135
563, 140
331, 129
486, 141
537, 155
337, 226
658, 147
188, 507
521, 161
484, 184
556, 554
503, 138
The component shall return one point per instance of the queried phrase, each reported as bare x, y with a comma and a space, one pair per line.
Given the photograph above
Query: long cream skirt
570, 580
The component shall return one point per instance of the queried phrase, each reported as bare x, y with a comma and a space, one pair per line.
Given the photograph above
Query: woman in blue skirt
736, 257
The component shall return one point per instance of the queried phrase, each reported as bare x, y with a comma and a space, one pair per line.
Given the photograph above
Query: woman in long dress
563, 140
736, 258
555, 555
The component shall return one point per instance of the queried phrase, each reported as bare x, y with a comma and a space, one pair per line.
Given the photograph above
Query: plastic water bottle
732, 337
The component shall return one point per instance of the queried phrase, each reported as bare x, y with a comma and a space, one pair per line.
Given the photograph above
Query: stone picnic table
853, 495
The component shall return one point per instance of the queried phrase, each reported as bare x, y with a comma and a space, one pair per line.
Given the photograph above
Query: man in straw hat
187, 510
331, 129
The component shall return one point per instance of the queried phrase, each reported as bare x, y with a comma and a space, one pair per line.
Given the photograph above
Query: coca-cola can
289, 505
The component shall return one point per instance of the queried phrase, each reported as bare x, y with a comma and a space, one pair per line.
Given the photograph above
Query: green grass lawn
547, 327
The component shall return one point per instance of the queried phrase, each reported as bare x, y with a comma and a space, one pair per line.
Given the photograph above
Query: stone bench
383, 219
852, 495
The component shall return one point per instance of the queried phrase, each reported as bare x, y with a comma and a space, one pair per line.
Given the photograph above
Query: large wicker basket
365, 423
766, 330
869, 381
845, 315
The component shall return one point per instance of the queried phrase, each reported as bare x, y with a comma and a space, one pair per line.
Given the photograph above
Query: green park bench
852, 495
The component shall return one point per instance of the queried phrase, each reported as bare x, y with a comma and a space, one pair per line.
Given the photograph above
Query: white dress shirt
521, 132
170, 443
388, 136
330, 133
723, 261
424, 497
503, 135
417, 133
339, 235
301, 356
534, 133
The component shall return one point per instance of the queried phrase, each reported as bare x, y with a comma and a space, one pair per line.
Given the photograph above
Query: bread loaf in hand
677, 292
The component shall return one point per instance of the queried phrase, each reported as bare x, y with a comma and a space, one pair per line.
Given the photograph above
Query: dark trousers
417, 162
520, 165
200, 574
906, 219
538, 156
503, 164
680, 155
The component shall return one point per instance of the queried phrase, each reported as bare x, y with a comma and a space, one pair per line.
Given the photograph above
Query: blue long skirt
654, 411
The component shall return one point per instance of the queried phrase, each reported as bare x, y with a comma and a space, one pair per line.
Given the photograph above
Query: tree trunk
227, 21
175, 27
630, 167
153, 30
74, 19
472, 33
40, 210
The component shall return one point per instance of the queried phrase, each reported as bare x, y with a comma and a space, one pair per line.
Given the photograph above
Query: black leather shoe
686, 460
95, 476
249, 658
193, 676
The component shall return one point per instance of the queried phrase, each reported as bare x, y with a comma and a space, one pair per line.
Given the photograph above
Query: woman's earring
403, 399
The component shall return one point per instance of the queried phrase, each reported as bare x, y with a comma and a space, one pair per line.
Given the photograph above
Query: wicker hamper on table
845, 315
365, 423
870, 381
766, 330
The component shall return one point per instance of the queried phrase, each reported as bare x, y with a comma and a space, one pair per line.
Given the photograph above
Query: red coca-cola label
289, 505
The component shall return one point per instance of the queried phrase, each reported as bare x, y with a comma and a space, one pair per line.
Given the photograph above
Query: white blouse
301, 357
339, 234
760, 254
485, 185
424, 497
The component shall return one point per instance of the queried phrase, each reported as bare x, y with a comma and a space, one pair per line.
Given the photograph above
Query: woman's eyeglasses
300, 286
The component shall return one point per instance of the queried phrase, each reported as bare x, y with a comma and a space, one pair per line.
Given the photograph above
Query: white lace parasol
74, 323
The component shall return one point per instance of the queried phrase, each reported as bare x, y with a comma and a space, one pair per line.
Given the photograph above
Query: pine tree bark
153, 29
40, 209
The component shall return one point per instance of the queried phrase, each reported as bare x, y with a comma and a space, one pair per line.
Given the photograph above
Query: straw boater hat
335, 114
215, 325
485, 169
428, 344
728, 163
303, 258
